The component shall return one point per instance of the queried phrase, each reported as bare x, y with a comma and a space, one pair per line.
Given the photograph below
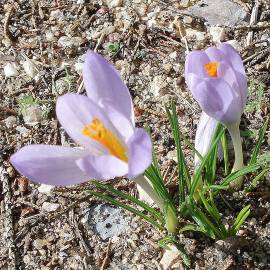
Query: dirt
146, 41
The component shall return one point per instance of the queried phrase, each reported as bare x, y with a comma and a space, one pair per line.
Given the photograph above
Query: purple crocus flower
216, 77
102, 123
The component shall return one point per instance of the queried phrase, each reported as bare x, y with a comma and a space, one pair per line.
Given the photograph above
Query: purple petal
74, 112
218, 100
104, 85
195, 65
204, 135
215, 55
235, 80
233, 57
50, 164
140, 153
103, 167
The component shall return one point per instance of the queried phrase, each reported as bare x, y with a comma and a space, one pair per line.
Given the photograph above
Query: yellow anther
96, 131
211, 68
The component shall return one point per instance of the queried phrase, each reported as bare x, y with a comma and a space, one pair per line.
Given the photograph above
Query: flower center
96, 131
211, 68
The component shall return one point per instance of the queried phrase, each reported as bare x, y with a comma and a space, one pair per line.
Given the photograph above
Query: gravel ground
41, 55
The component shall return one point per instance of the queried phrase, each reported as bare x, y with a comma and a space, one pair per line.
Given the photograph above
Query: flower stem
238, 153
146, 186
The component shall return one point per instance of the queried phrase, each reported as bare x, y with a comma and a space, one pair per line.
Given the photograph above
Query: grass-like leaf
258, 143
240, 219
126, 207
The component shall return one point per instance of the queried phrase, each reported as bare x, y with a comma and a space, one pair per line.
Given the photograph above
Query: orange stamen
96, 131
211, 68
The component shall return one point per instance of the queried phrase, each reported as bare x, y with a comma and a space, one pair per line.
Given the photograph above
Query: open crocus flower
102, 123
216, 77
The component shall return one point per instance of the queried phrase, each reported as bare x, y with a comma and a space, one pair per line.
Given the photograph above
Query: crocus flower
216, 77
102, 123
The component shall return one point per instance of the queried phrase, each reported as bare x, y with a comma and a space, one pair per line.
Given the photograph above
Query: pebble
40, 243
11, 70
32, 115
50, 207
218, 33
114, 3
169, 257
60, 87
69, 42
45, 189
56, 14
184, 3
194, 34
24, 132
158, 84
30, 68
10, 121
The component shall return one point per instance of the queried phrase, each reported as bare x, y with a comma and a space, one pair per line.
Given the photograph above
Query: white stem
238, 153
145, 185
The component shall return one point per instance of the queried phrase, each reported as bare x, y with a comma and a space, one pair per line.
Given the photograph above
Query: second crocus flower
216, 77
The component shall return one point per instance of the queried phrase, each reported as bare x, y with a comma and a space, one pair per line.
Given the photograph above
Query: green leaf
198, 172
130, 198
256, 179
183, 175
258, 143
240, 219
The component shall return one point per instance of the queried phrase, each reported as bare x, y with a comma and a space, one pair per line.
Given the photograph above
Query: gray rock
107, 221
50, 207
217, 12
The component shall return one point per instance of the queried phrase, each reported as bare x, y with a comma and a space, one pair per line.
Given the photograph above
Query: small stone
169, 257
11, 70
69, 42
60, 87
253, 221
218, 33
56, 14
49, 36
24, 132
50, 207
78, 67
194, 34
32, 115
40, 243
30, 68
114, 3
235, 44
158, 85
172, 155
173, 55
45, 189
184, 3
187, 20
10, 121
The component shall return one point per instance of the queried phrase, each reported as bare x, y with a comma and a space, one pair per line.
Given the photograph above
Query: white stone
10, 121
78, 67
24, 132
11, 70
49, 36
218, 33
158, 83
45, 189
192, 33
32, 115
184, 3
69, 42
30, 68
169, 257
57, 14
235, 44
114, 3
50, 207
